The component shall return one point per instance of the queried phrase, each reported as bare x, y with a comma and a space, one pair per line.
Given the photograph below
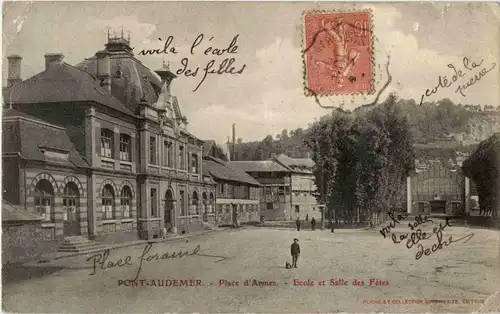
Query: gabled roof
16, 213
29, 136
207, 146
258, 166
220, 170
63, 83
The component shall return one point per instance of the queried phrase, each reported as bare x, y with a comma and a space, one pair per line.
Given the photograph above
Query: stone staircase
79, 244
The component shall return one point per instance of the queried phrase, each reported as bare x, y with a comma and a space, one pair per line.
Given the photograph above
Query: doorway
71, 210
168, 210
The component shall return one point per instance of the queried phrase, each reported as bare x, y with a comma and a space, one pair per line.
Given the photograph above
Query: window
108, 201
125, 201
106, 143
297, 208
71, 200
183, 205
152, 150
194, 204
194, 163
125, 147
154, 203
246, 192
221, 188
287, 190
181, 161
167, 154
269, 206
268, 190
44, 200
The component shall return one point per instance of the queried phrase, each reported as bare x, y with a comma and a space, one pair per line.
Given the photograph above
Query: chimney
228, 144
234, 140
104, 69
14, 75
53, 59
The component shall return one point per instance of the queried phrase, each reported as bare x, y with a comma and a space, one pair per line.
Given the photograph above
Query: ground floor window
125, 201
108, 201
269, 206
297, 208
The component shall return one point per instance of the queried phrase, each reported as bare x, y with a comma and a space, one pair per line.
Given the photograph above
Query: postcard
263, 157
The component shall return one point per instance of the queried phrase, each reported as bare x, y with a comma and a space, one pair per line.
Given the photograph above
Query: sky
422, 39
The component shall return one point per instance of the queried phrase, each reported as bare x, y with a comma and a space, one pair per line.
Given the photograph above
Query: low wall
23, 243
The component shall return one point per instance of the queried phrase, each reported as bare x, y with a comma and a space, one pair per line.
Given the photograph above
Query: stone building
111, 151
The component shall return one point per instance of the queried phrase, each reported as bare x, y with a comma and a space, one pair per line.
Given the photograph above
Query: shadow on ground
17, 273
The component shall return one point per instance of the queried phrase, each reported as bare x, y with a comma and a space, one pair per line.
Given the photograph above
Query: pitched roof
29, 136
258, 166
12, 212
63, 83
220, 170
295, 162
207, 145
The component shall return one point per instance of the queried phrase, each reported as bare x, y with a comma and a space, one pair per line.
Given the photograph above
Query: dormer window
106, 143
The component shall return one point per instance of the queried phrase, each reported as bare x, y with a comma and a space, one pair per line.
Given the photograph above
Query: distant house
237, 193
303, 202
275, 197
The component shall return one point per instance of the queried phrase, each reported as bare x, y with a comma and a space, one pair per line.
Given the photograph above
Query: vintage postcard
262, 157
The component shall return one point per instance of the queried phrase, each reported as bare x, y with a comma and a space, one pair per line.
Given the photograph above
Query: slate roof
64, 83
295, 162
207, 145
258, 166
27, 137
16, 213
220, 170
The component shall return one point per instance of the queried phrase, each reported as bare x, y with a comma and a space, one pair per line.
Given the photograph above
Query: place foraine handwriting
468, 66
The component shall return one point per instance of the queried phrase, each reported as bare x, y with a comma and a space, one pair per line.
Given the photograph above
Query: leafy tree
483, 167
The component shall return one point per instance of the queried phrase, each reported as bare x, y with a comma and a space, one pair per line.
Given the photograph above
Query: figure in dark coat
307, 217
313, 224
297, 222
295, 250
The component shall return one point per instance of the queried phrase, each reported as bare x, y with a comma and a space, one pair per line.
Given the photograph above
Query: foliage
483, 167
435, 123
362, 161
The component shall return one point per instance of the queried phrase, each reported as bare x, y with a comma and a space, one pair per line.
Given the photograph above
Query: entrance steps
79, 244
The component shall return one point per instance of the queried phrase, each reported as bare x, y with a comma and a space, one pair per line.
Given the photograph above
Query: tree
483, 167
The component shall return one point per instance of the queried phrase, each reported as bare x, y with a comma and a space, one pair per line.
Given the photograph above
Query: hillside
439, 130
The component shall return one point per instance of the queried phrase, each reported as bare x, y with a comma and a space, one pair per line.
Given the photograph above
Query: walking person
295, 250
307, 217
313, 224
332, 223
297, 222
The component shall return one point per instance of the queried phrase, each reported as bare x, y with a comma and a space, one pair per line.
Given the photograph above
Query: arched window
44, 200
108, 202
71, 201
125, 201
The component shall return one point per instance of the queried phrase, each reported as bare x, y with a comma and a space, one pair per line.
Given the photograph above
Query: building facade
275, 194
141, 169
237, 193
303, 186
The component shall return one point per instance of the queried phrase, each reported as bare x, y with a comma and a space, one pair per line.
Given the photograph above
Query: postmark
338, 53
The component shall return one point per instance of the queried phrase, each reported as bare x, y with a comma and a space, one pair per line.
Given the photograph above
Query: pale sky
422, 39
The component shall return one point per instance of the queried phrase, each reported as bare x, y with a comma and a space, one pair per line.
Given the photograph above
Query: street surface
462, 274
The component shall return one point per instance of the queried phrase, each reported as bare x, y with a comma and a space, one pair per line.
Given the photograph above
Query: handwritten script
417, 234
473, 68
202, 46
101, 260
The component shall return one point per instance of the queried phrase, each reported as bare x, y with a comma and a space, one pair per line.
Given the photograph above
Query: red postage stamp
338, 53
